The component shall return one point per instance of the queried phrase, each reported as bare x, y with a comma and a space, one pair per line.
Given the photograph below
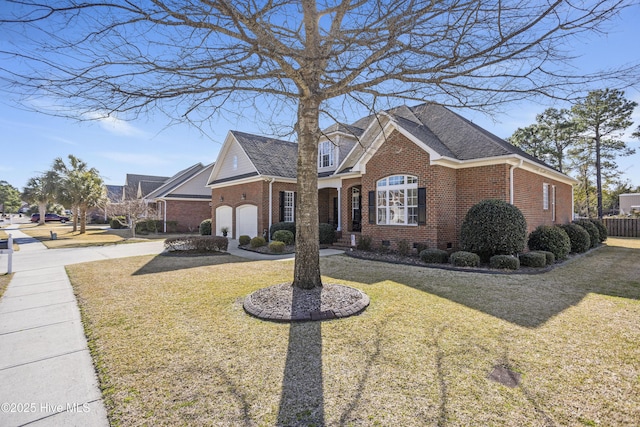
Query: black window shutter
422, 206
281, 206
295, 204
372, 207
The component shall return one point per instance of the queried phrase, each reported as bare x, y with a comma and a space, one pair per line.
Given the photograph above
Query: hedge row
197, 243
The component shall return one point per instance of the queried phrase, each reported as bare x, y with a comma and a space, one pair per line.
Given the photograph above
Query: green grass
173, 346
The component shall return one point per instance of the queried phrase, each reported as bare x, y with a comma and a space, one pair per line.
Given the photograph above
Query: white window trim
324, 151
388, 206
545, 196
289, 206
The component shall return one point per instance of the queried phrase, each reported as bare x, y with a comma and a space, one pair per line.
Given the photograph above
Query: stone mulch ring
286, 303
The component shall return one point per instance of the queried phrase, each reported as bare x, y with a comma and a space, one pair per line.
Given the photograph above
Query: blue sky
30, 141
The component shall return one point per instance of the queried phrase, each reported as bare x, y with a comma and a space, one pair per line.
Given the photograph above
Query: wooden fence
622, 227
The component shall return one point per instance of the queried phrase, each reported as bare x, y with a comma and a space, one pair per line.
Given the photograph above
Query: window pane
382, 216
382, 183
412, 180
396, 180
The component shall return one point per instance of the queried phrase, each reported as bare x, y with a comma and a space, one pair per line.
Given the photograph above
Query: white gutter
511, 186
270, 205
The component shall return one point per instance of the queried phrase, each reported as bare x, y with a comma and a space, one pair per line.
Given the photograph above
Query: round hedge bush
464, 259
551, 258
205, 228
602, 229
284, 236
277, 246
580, 240
550, 238
258, 241
434, 256
594, 233
533, 259
493, 227
290, 226
504, 262
327, 234
244, 240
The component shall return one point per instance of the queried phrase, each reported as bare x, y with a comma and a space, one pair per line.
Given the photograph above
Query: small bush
421, 247
258, 241
504, 262
594, 234
118, 222
464, 259
533, 259
364, 243
493, 227
327, 234
404, 248
205, 228
197, 243
434, 256
284, 236
580, 240
290, 226
277, 246
602, 229
551, 258
550, 238
244, 240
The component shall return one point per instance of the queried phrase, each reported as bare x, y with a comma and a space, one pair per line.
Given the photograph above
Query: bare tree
189, 58
135, 211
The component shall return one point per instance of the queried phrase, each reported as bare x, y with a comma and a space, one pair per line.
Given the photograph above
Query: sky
29, 141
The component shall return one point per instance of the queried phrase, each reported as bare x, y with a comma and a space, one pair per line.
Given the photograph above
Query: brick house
410, 173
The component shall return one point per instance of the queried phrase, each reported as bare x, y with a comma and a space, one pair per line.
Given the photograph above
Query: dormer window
325, 154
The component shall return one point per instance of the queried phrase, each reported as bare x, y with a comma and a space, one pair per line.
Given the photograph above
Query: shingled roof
146, 183
271, 157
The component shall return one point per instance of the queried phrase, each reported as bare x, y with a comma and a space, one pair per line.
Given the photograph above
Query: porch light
221, 198
244, 196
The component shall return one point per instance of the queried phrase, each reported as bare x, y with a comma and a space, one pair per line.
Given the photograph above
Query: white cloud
115, 125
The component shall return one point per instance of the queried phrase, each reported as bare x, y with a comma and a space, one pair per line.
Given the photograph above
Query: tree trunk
598, 174
307, 261
83, 219
42, 210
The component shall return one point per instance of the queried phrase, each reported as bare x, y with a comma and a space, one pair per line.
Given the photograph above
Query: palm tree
80, 188
41, 190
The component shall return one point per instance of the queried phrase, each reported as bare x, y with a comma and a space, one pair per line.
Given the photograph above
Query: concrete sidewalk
47, 376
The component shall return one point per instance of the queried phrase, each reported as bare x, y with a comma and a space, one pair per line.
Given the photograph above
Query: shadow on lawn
302, 398
525, 300
164, 263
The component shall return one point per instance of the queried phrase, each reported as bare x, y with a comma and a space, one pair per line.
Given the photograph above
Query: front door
356, 212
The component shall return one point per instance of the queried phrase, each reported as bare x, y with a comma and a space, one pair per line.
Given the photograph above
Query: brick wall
188, 213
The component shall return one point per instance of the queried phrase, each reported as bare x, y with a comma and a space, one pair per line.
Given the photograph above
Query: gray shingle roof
271, 157
176, 180
132, 182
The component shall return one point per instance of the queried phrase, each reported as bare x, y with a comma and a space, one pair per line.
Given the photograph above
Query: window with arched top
397, 200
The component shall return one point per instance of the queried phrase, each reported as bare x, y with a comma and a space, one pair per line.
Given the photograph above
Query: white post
10, 248
340, 207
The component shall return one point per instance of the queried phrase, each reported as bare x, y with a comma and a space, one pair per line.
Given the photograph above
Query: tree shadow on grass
302, 398
525, 300
164, 263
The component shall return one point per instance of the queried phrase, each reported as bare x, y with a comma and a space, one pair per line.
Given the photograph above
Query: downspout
511, 186
164, 214
270, 207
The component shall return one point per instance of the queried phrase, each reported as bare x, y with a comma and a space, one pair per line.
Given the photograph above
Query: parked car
49, 217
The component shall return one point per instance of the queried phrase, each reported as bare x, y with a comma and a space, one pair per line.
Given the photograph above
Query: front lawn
173, 345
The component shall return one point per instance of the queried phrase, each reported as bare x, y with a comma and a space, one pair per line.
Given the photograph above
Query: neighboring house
138, 186
629, 203
183, 201
410, 173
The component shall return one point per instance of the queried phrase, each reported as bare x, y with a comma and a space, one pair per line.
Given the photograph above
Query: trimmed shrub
290, 226
504, 262
257, 242
404, 248
493, 227
364, 243
580, 240
205, 228
284, 236
602, 229
327, 234
533, 259
434, 256
197, 243
277, 246
421, 247
118, 222
464, 259
591, 228
550, 238
551, 258
244, 240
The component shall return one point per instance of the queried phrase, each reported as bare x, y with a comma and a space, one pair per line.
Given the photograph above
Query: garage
224, 218
246, 221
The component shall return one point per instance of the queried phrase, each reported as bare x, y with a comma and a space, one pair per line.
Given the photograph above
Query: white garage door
224, 217
246, 221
